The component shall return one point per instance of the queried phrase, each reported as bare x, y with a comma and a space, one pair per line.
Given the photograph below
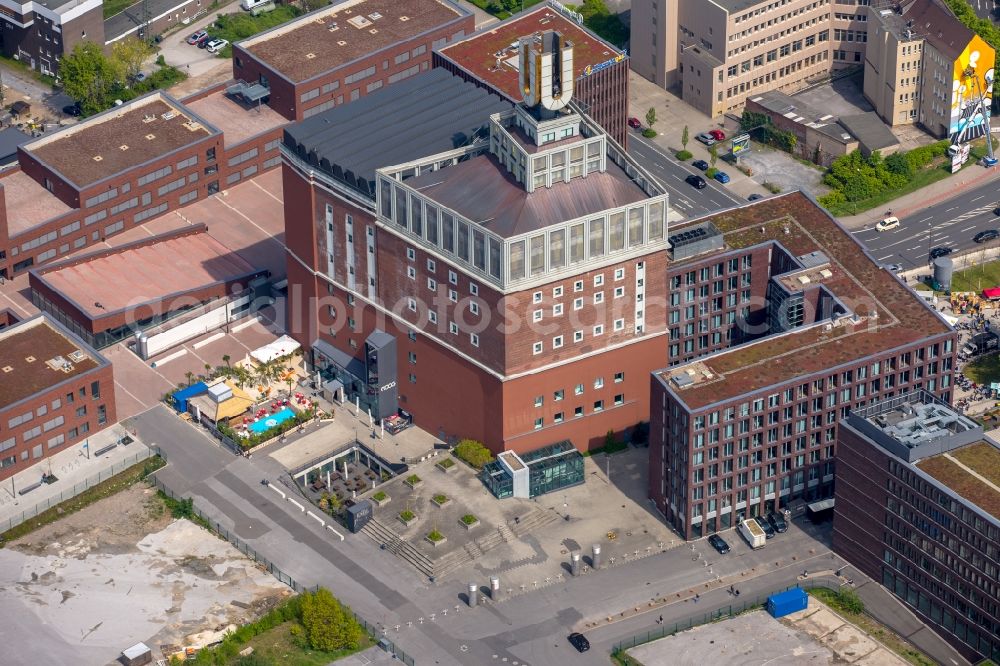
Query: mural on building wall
972, 95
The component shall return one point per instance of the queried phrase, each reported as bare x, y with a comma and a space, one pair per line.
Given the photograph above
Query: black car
203, 42
579, 641
988, 235
766, 526
700, 164
719, 544
755, 197
777, 522
940, 252
996, 211
72, 110
696, 181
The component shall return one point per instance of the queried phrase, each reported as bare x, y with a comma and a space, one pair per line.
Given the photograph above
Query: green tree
190, 377
610, 443
90, 77
650, 117
713, 154
473, 452
329, 626
226, 358
685, 137
129, 54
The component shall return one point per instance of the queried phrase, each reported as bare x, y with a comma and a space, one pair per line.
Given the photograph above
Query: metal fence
732, 610
237, 542
70, 493
383, 642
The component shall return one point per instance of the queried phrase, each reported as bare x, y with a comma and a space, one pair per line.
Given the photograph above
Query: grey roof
801, 113
736, 6
483, 191
931, 20
870, 131
10, 139
426, 114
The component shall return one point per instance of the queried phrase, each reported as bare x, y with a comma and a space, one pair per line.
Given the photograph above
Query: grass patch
379, 496
440, 498
112, 7
111, 486
984, 370
284, 645
413, 479
407, 516
977, 278
447, 463
846, 602
981, 457
240, 25
435, 536
469, 519
23, 67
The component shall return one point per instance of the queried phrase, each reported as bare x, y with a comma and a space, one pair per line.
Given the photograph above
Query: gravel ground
119, 572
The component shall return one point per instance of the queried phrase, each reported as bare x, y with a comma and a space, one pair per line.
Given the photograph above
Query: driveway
190, 59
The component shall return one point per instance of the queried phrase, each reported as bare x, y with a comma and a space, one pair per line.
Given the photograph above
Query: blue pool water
271, 420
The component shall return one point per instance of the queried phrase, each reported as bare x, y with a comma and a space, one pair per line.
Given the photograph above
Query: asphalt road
984, 8
684, 198
951, 223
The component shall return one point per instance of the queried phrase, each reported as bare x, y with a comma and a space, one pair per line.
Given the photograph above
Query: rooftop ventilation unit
169, 115
192, 126
150, 137
374, 16
77, 356
804, 279
826, 272
148, 118
682, 381
30, 359
359, 22
373, 31
7, 368
123, 147
695, 240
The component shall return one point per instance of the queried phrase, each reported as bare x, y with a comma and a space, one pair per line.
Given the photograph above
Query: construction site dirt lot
118, 572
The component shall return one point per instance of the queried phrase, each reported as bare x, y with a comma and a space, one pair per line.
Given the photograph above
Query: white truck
751, 531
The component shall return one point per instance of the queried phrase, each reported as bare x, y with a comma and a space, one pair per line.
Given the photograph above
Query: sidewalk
935, 193
75, 469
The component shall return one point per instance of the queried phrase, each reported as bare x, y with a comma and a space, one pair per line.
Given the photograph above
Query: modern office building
918, 509
39, 33
924, 66
342, 52
55, 390
490, 58
535, 473
507, 252
779, 324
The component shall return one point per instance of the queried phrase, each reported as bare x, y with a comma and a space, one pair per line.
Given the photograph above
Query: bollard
473, 595
575, 564
495, 588
596, 559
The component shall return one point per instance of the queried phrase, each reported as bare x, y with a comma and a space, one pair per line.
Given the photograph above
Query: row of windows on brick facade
51, 424
559, 341
578, 411
411, 272
559, 395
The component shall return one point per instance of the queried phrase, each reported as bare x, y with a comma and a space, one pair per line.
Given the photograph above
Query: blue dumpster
789, 601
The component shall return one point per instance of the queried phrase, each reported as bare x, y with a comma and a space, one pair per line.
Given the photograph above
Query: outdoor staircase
392, 542
536, 519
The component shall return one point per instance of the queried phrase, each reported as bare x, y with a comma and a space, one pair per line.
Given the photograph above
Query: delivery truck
751, 531
981, 343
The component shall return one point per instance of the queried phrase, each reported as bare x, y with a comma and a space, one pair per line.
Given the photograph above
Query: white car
706, 139
217, 45
887, 224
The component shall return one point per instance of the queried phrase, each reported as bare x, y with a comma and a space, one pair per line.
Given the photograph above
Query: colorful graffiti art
972, 92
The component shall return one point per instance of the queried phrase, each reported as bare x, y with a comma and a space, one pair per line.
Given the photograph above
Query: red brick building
502, 263
779, 324
489, 58
106, 296
55, 392
340, 53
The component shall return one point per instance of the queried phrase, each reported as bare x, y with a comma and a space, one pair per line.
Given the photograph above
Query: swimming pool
271, 420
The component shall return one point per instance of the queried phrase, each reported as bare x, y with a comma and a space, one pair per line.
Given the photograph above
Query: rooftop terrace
145, 272
491, 55
889, 314
326, 39
973, 472
118, 139
35, 356
237, 122
28, 203
484, 192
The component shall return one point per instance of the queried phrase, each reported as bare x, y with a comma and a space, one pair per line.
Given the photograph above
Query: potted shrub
435, 538
413, 481
446, 465
407, 517
440, 499
468, 521
380, 498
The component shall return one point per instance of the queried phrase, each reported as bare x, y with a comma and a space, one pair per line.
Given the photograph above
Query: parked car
203, 42
634, 123
755, 197
988, 235
887, 224
72, 109
696, 181
996, 211
579, 641
777, 521
706, 138
941, 252
719, 544
895, 268
721, 176
717, 134
700, 164
766, 526
197, 37
217, 45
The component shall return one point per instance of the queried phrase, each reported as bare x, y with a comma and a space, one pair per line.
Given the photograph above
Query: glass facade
550, 468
